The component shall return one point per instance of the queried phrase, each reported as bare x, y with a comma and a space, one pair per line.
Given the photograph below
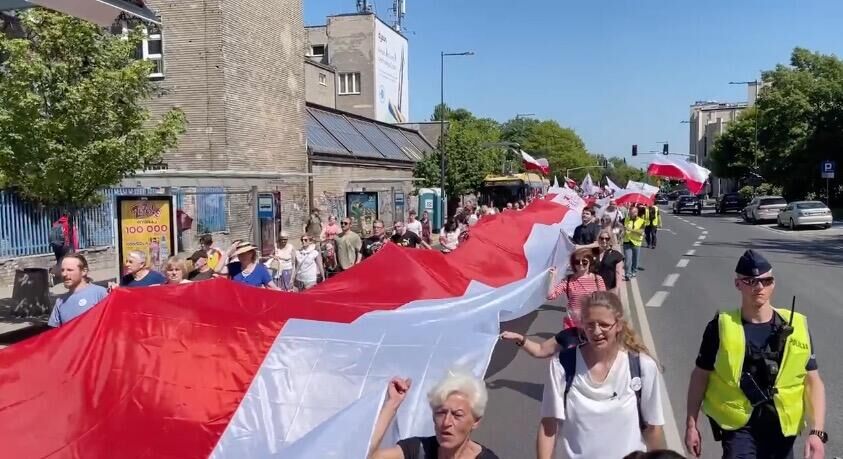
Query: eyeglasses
345, 223
583, 262
605, 239
755, 281
598, 326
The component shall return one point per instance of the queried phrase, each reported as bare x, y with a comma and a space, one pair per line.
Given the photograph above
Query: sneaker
633, 274
626, 278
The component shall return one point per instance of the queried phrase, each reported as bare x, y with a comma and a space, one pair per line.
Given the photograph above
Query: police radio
786, 330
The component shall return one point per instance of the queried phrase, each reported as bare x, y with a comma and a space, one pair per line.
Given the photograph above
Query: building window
152, 49
317, 50
349, 83
323, 79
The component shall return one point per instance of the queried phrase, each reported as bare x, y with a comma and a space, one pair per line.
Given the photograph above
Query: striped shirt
576, 289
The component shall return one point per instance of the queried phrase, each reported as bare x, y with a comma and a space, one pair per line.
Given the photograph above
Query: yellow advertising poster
146, 223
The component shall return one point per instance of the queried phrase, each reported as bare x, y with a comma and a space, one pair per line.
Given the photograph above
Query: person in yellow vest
632, 239
756, 376
653, 217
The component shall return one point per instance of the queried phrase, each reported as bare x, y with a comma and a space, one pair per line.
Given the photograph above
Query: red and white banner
532, 164
624, 197
692, 174
218, 369
613, 188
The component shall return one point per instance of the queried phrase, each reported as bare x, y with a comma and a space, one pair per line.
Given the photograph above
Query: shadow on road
813, 251
532, 390
505, 352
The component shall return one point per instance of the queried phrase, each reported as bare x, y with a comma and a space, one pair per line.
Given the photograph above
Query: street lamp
443, 148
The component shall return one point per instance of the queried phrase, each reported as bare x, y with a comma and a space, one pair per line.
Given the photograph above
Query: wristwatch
821, 434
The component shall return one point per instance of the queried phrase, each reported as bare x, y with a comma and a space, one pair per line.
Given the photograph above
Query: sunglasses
345, 223
583, 262
754, 281
605, 239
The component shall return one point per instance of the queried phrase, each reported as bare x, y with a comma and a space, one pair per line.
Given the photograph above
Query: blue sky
619, 72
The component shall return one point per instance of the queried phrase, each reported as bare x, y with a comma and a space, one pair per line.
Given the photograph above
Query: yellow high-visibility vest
724, 400
636, 238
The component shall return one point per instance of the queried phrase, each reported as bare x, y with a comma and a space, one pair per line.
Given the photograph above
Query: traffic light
665, 150
635, 150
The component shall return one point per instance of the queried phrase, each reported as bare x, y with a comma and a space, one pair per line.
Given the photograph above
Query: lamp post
442, 146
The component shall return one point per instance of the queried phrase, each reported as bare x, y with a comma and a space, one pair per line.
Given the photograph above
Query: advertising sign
362, 210
392, 101
147, 224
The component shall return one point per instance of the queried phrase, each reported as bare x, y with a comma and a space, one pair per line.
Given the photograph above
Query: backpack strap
568, 359
635, 373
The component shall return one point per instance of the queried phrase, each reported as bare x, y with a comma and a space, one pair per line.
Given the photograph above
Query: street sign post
827, 170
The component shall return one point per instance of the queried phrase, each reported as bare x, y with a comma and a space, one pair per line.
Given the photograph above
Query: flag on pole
612, 186
532, 164
692, 174
637, 197
588, 187
570, 183
642, 187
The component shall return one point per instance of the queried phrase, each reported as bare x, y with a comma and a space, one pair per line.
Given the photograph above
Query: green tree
734, 152
469, 157
72, 114
620, 172
800, 123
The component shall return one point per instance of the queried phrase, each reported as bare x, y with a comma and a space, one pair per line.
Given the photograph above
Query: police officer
754, 375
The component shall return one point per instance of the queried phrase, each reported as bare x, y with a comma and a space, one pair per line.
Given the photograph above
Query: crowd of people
600, 377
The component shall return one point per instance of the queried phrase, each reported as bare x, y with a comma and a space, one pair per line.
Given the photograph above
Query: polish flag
571, 183
626, 196
222, 370
692, 174
642, 187
533, 164
613, 188
587, 186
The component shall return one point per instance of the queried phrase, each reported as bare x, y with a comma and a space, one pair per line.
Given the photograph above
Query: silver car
764, 208
802, 213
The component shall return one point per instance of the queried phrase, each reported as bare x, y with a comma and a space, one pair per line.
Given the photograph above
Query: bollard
31, 293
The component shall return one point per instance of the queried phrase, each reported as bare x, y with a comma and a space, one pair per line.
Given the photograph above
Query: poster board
362, 209
146, 223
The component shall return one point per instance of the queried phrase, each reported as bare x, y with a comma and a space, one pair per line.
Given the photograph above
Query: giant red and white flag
692, 174
217, 369
533, 164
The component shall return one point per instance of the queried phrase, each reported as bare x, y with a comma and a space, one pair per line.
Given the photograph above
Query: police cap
752, 264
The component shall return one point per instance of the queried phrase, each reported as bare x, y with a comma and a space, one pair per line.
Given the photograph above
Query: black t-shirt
408, 239
757, 336
372, 244
428, 448
152, 278
586, 234
200, 276
608, 268
234, 268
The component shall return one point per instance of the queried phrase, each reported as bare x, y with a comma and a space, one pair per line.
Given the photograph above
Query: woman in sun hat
251, 272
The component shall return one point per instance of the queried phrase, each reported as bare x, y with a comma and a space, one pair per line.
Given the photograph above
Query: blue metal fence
25, 226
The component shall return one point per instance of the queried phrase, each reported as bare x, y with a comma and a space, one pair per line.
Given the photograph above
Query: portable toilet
430, 201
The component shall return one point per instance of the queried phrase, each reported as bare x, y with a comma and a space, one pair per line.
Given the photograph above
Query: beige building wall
235, 68
320, 84
352, 49
708, 120
333, 180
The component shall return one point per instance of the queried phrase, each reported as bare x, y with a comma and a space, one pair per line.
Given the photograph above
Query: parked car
661, 198
705, 204
730, 201
675, 194
802, 213
764, 208
685, 204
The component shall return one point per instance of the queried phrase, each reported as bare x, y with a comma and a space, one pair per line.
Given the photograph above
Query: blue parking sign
828, 168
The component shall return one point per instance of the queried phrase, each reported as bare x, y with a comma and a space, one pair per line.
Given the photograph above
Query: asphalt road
687, 279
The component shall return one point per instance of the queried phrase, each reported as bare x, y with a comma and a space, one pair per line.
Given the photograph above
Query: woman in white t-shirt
449, 237
307, 267
599, 415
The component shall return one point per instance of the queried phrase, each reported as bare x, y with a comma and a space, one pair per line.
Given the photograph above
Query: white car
764, 208
802, 213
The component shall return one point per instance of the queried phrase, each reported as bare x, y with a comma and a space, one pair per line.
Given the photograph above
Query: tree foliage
72, 114
561, 146
469, 156
620, 172
800, 123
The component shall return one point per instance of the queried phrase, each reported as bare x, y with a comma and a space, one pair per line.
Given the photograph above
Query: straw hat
244, 247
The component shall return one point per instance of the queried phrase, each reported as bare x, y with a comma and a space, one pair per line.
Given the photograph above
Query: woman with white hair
458, 402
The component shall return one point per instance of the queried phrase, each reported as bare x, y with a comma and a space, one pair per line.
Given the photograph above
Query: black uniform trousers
760, 439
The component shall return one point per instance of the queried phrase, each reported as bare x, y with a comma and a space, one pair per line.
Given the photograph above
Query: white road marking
705, 232
668, 230
697, 243
702, 238
671, 429
682, 263
690, 253
670, 280
657, 300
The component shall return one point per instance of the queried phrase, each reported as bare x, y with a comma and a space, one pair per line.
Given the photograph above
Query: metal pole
442, 147
827, 194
